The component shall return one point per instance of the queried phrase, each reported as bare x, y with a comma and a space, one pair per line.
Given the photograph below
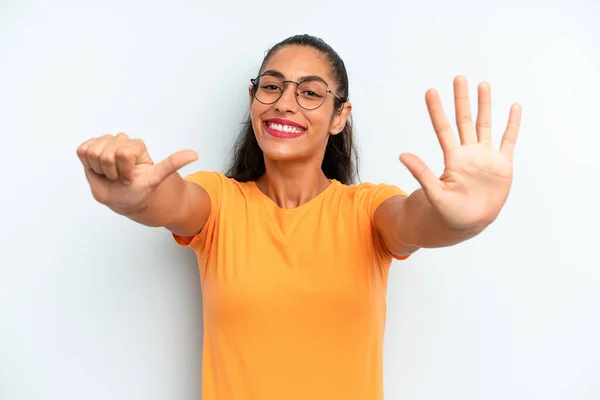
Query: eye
310, 93
312, 90
270, 88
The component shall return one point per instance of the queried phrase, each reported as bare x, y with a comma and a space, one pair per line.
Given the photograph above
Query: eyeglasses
311, 93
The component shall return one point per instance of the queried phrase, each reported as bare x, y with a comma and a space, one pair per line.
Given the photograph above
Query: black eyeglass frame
254, 82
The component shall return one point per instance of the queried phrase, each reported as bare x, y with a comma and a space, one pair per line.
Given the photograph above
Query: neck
291, 185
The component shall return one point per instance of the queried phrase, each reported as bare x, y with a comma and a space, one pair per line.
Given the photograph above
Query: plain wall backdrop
94, 306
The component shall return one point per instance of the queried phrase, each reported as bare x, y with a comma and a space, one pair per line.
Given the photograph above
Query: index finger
126, 157
440, 123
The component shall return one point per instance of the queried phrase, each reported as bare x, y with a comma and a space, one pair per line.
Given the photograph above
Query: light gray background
93, 306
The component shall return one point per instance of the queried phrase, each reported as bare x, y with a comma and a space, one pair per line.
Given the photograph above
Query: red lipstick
289, 133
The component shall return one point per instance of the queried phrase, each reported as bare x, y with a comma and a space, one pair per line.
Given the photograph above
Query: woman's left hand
477, 178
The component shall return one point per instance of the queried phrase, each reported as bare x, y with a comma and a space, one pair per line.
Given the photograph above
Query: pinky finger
82, 153
507, 147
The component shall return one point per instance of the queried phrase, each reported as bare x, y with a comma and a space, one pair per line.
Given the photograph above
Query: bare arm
409, 223
180, 206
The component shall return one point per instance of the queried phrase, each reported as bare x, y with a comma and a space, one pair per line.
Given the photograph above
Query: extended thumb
171, 164
420, 171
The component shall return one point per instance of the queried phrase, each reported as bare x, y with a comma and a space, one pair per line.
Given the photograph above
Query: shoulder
208, 177
366, 196
222, 190
368, 192
215, 180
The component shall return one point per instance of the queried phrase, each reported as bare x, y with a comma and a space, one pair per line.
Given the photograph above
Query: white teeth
284, 128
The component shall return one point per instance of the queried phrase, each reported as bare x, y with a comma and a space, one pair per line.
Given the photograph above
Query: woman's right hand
122, 175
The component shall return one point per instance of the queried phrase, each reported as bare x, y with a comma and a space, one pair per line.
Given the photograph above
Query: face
284, 130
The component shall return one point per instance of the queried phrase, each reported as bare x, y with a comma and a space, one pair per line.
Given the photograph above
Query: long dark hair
341, 158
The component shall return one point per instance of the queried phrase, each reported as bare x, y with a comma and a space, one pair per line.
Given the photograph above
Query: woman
293, 257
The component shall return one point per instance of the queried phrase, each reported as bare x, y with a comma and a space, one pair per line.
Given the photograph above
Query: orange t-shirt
293, 299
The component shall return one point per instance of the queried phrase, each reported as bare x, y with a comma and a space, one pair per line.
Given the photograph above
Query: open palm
477, 178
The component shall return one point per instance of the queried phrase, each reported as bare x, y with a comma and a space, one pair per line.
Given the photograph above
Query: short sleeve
379, 194
213, 183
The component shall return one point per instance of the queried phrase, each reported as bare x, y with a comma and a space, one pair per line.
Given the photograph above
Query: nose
287, 101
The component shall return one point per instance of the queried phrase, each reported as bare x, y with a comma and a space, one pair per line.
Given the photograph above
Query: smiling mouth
284, 128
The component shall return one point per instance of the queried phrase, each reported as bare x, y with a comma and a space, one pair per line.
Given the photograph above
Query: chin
282, 149
282, 152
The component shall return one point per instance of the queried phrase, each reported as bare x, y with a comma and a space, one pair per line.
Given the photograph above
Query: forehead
297, 61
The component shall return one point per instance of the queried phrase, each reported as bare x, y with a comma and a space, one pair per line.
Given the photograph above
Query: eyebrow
278, 74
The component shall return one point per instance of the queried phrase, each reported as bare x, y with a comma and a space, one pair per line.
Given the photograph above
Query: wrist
427, 227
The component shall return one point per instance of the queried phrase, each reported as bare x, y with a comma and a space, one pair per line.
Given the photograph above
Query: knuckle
85, 146
93, 153
82, 150
463, 119
107, 159
138, 143
445, 128
123, 154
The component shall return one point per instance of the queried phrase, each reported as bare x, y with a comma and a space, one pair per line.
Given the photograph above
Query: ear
339, 119
250, 97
